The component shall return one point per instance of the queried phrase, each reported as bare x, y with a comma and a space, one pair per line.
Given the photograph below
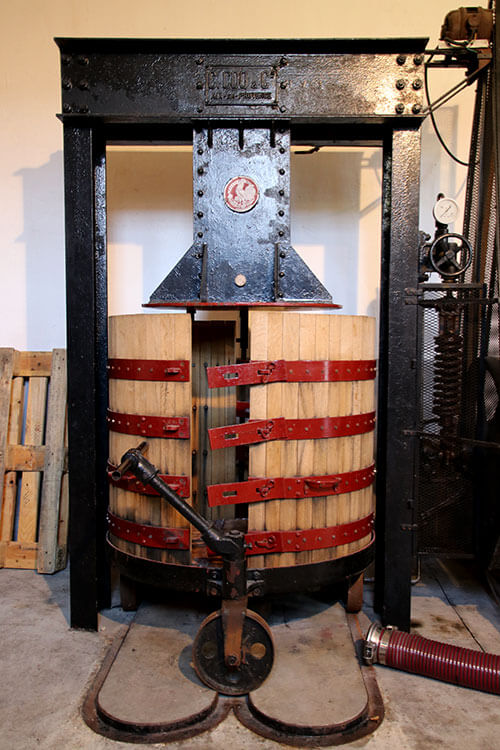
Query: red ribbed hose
461, 666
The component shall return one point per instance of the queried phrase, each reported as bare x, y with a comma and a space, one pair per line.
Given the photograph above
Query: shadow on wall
43, 237
150, 220
326, 215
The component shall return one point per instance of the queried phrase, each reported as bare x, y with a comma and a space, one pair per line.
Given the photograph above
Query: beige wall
31, 232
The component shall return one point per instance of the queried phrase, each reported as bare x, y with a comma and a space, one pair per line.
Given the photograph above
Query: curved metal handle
127, 460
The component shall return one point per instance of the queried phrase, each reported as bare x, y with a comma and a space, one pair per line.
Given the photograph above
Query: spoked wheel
257, 652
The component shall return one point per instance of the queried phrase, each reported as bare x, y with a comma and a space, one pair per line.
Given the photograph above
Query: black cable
433, 120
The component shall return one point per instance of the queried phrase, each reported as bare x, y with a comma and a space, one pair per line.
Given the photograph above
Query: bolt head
418, 59
400, 108
417, 84
401, 59
400, 84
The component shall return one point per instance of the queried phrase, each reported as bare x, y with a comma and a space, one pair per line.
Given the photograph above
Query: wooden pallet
34, 503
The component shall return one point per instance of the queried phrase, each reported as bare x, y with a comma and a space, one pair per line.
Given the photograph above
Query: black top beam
76, 45
174, 81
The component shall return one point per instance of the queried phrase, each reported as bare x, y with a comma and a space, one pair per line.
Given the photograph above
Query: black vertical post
85, 220
397, 383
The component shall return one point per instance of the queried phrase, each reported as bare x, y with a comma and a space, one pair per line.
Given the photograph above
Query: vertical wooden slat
320, 447
289, 454
345, 444
54, 465
6, 372
213, 345
335, 392
30, 481
13, 435
306, 447
274, 350
367, 404
62, 537
258, 331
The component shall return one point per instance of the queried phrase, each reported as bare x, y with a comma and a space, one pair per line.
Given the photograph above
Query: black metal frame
327, 92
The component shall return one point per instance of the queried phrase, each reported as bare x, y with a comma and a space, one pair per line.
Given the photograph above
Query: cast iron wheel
257, 655
450, 259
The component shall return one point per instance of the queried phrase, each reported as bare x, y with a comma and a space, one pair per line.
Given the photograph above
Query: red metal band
258, 542
137, 424
279, 488
149, 369
260, 430
293, 371
266, 542
148, 536
130, 483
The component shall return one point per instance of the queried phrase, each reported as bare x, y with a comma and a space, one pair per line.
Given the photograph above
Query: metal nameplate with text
240, 84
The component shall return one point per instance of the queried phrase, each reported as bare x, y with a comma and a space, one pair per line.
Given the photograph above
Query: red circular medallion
241, 194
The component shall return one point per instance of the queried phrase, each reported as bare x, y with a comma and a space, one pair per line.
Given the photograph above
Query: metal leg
85, 206
397, 387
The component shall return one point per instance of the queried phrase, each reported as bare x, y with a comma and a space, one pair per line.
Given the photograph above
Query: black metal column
85, 219
397, 388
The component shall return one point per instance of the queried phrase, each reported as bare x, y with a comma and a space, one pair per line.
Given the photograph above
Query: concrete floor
46, 668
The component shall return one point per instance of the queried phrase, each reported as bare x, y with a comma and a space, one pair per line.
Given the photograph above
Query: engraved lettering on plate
238, 84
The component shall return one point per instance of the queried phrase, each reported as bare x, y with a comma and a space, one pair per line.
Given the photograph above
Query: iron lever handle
230, 545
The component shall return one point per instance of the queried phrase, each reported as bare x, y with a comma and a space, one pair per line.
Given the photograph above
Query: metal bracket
260, 430
291, 371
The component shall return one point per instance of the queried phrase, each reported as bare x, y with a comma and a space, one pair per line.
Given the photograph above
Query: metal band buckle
265, 542
315, 428
291, 371
256, 490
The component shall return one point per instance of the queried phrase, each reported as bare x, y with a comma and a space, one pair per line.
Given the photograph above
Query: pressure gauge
445, 210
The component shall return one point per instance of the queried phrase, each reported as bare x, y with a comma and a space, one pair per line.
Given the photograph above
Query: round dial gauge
445, 210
